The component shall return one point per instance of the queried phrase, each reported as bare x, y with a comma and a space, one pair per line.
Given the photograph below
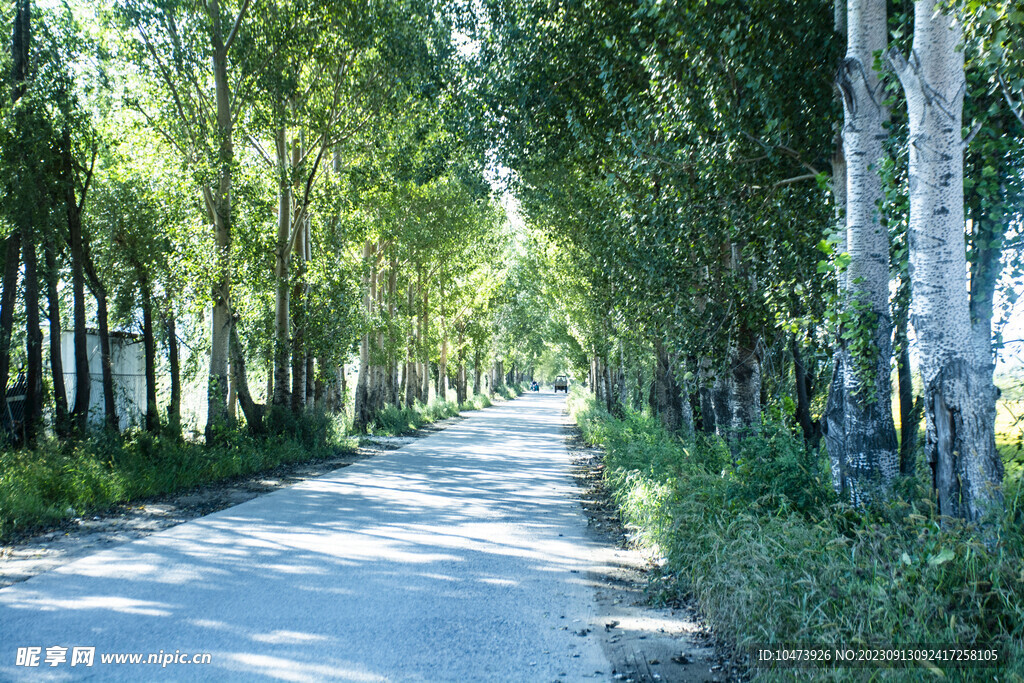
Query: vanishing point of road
462, 556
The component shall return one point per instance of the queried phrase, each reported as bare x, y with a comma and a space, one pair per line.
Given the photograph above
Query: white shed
126, 351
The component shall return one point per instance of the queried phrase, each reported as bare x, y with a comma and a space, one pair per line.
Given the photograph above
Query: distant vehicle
562, 384
535, 386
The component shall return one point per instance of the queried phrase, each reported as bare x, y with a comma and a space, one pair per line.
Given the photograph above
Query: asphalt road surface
460, 557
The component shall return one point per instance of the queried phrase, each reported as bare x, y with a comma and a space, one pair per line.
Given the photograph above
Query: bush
772, 557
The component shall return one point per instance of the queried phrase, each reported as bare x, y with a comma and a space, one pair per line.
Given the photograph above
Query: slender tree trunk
835, 407
33, 341
664, 386
21, 37
477, 361
149, 344
298, 352
174, 407
871, 460
424, 336
60, 396
83, 380
442, 368
722, 399
99, 292
219, 203
310, 379
253, 411
282, 276
959, 398
8, 299
910, 409
810, 428
362, 416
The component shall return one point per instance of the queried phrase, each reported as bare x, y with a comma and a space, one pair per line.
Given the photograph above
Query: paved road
460, 557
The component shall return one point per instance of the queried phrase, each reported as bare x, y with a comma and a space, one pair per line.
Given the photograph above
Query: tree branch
238, 23
1014, 107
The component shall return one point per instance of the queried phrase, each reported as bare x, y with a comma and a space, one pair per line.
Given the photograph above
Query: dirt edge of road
644, 643
49, 548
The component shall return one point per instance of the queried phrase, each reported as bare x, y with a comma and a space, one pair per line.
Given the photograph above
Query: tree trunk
33, 342
298, 351
149, 344
362, 417
871, 460
959, 398
282, 276
253, 411
745, 390
664, 386
834, 419
721, 397
310, 379
21, 37
910, 410
174, 407
476, 371
219, 204
810, 428
60, 396
442, 368
99, 292
8, 301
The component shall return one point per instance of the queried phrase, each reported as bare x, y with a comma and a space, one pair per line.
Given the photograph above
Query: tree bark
745, 390
99, 292
60, 395
174, 407
219, 203
149, 344
477, 362
959, 399
33, 342
282, 263
253, 411
362, 417
8, 300
811, 429
834, 419
910, 409
871, 459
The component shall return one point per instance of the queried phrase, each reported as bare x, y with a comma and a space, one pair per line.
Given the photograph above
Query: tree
959, 398
867, 461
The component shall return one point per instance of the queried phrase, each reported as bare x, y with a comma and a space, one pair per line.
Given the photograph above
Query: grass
771, 556
57, 481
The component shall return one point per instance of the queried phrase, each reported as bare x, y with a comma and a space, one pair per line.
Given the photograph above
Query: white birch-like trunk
958, 395
871, 460
361, 412
835, 422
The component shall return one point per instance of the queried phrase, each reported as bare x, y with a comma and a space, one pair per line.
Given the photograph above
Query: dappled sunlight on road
454, 546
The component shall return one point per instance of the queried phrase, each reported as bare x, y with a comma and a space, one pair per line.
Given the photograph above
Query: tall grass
397, 420
771, 556
58, 480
